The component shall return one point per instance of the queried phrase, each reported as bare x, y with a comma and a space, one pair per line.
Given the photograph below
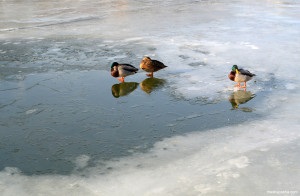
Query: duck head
114, 64
114, 69
234, 68
146, 58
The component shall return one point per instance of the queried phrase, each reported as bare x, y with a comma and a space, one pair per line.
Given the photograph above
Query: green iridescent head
114, 64
234, 67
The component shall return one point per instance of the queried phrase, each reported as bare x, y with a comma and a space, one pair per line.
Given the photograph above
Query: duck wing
158, 64
129, 68
246, 72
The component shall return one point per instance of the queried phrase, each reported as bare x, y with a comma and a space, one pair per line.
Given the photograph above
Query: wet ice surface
68, 127
48, 119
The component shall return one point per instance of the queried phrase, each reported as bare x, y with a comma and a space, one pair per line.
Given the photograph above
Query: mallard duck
240, 75
149, 65
122, 70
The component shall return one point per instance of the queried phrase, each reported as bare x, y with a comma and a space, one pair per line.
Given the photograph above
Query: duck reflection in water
150, 84
123, 89
240, 97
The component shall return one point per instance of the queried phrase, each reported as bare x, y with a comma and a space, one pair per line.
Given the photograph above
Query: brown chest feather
231, 75
114, 73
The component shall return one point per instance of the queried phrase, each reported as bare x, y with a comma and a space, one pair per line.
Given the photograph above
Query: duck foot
237, 85
245, 86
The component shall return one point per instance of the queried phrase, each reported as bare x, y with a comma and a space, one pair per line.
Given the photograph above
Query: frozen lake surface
68, 128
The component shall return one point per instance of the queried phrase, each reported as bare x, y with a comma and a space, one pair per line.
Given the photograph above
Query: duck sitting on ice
240, 75
122, 70
149, 65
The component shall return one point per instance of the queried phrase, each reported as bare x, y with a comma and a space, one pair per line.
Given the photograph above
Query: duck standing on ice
240, 75
122, 70
149, 65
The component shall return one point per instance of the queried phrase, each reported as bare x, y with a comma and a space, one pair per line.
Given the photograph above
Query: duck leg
238, 84
245, 86
150, 74
121, 79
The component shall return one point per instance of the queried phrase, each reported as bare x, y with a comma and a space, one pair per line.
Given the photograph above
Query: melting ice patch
219, 161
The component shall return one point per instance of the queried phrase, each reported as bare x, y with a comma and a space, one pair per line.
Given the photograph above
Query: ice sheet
199, 41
